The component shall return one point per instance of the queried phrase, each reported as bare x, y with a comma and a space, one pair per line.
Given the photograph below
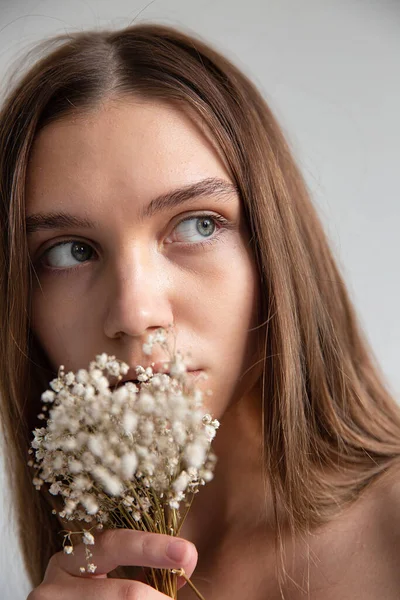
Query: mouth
194, 373
121, 383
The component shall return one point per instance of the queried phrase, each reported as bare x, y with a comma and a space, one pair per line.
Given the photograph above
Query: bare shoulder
386, 498
357, 555
384, 531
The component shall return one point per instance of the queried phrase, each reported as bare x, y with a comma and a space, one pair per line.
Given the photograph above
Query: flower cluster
116, 456
87, 539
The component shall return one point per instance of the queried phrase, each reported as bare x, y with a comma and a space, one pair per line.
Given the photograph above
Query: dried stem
181, 573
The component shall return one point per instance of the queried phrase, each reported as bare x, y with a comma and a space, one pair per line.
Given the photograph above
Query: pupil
205, 226
80, 251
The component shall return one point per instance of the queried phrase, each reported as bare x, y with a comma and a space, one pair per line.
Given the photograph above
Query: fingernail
176, 550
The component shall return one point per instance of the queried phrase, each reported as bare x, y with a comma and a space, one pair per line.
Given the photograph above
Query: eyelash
224, 225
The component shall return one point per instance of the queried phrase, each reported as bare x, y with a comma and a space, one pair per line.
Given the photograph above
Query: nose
139, 295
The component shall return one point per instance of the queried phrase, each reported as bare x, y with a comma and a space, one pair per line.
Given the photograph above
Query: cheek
233, 289
55, 320
213, 299
225, 308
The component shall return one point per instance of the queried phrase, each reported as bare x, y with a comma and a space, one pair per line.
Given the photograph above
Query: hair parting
330, 425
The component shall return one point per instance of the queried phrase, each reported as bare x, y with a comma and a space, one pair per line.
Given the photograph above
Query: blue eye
190, 233
63, 251
194, 229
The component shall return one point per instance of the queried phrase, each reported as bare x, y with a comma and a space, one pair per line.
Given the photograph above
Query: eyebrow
212, 186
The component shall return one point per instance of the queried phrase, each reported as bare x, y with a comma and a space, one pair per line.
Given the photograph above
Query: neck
234, 502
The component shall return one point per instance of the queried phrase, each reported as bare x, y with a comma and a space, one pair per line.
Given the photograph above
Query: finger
125, 547
101, 589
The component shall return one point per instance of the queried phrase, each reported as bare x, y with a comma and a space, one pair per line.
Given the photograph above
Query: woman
145, 182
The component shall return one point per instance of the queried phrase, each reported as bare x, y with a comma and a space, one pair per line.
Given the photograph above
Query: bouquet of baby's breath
128, 456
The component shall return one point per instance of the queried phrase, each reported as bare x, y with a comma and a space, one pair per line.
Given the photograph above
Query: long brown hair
330, 425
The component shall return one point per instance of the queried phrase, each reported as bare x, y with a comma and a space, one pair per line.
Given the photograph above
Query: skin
108, 166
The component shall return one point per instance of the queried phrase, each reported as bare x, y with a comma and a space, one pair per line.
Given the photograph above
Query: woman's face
164, 241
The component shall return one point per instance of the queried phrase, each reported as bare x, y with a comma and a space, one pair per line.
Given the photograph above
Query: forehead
143, 146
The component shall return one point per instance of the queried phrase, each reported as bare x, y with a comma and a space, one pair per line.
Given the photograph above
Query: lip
195, 372
131, 376
122, 382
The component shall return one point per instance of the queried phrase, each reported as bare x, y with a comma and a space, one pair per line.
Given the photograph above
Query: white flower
146, 428
90, 504
160, 336
48, 396
88, 460
130, 421
81, 439
210, 432
110, 460
147, 348
198, 398
82, 482
82, 376
88, 538
131, 387
69, 444
110, 483
69, 378
91, 568
146, 402
114, 439
89, 392
56, 385
123, 368
207, 475
78, 389
120, 395
142, 452
102, 384
75, 466
58, 462
96, 374
68, 549
55, 488
129, 463
106, 450
96, 445
194, 455
179, 432
144, 504
128, 501
178, 367
70, 506
180, 484
101, 360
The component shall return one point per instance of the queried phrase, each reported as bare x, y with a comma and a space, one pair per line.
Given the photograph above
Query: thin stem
160, 513
181, 573
146, 517
185, 515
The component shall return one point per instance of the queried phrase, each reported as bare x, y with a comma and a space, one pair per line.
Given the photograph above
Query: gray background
330, 69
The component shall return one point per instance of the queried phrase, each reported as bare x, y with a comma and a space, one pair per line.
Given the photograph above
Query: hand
114, 547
